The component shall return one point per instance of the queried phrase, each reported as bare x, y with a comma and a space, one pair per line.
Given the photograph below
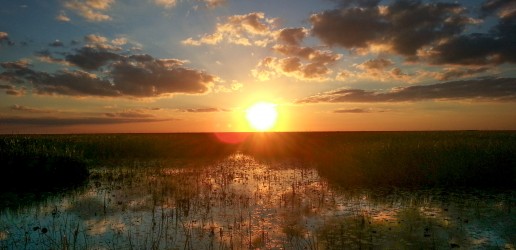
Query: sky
158, 66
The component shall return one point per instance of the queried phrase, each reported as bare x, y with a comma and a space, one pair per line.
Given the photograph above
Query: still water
240, 203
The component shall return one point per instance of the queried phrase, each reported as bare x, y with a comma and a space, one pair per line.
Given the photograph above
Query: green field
324, 190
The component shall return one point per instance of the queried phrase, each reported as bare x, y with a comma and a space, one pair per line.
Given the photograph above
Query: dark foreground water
239, 203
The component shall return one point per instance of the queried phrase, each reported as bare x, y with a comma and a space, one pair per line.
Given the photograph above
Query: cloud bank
105, 71
429, 31
485, 89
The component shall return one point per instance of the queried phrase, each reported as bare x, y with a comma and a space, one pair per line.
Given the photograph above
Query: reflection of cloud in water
241, 203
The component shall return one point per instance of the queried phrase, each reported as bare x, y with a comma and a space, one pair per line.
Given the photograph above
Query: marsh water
241, 203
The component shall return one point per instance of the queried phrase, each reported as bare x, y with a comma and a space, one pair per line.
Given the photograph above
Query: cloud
21, 108
376, 64
452, 73
91, 10
502, 8
122, 76
56, 43
100, 42
379, 69
248, 29
406, 28
17, 65
483, 89
11, 90
292, 36
46, 56
58, 122
357, 111
303, 63
214, 3
155, 77
62, 17
270, 67
72, 83
130, 114
119, 41
166, 3
234, 86
204, 110
4, 37
89, 58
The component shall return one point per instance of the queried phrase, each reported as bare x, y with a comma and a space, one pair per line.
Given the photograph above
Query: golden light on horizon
262, 116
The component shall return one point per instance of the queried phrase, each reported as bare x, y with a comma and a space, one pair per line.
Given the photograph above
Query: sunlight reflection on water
240, 203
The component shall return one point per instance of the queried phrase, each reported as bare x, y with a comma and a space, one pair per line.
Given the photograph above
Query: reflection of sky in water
240, 203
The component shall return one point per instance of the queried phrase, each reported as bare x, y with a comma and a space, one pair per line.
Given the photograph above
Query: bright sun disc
262, 115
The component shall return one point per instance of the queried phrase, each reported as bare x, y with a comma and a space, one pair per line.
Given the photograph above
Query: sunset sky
103, 66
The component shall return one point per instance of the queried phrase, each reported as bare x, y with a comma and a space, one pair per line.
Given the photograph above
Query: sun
262, 116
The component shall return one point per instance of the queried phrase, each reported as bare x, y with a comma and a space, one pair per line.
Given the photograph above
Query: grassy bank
467, 158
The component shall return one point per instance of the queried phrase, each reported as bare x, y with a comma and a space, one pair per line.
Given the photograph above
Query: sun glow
262, 116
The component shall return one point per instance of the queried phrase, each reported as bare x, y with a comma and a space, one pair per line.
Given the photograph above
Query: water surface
240, 203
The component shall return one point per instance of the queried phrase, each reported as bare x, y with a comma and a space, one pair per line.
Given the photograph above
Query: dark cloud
73, 83
17, 65
491, 6
358, 3
11, 90
131, 76
459, 72
89, 58
498, 46
157, 77
349, 27
57, 122
204, 110
130, 114
292, 36
420, 30
485, 89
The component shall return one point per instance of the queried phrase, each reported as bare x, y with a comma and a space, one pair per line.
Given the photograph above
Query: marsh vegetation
406, 190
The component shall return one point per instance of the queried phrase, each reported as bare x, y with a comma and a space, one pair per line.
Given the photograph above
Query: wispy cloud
91, 10
166, 3
204, 110
22, 108
62, 17
58, 122
358, 110
130, 114
484, 89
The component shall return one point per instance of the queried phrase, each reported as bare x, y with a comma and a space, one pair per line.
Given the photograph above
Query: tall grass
464, 158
